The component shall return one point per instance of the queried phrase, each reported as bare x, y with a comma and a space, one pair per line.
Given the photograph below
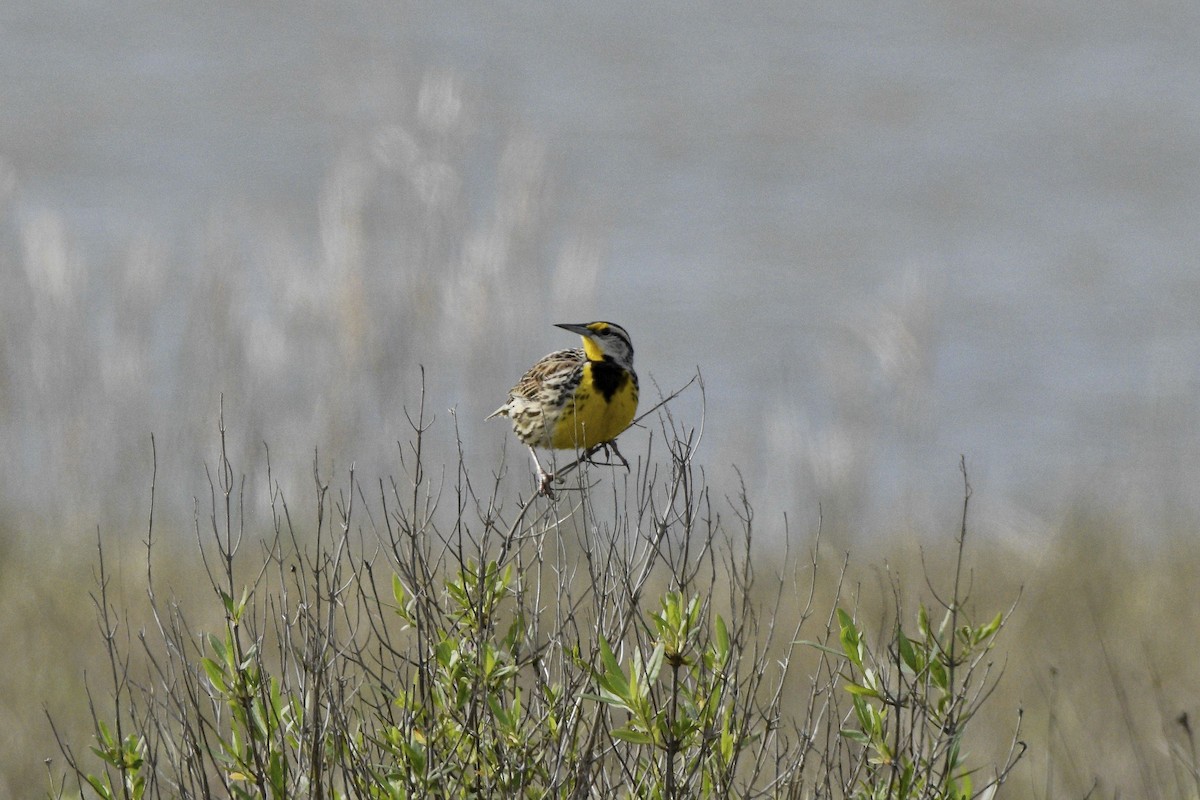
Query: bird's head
605, 341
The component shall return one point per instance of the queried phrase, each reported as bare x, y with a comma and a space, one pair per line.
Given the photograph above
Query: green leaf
277, 773
673, 608
907, 654
654, 664
414, 752
850, 638
855, 736
445, 653
989, 630
860, 691
613, 677
693, 613
833, 651
864, 711
216, 675
218, 647
98, 785
105, 735
937, 672
952, 759
235, 609
632, 736
722, 650
906, 779
727, 740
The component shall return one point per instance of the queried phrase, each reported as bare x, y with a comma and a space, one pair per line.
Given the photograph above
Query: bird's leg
610, 449
544, 478
613, 446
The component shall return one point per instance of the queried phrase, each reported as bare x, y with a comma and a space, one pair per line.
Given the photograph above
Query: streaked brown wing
556, 365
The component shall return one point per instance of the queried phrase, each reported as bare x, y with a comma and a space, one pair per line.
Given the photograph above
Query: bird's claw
610, 450
545, 479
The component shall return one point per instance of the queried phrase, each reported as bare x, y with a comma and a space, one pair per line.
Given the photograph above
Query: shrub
605, 642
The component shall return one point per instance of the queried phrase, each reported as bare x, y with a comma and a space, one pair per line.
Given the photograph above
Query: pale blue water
887, 235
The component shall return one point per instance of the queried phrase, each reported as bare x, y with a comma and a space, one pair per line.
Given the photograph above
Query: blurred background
887, 235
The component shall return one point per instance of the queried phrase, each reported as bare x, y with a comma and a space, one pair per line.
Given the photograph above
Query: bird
580, 399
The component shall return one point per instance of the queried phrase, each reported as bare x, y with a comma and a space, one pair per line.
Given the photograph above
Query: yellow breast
591, 418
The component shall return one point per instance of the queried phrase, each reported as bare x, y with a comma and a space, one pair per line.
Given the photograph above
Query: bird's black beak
582, 330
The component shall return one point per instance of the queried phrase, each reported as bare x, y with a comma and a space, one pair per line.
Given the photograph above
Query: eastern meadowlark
576, 399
